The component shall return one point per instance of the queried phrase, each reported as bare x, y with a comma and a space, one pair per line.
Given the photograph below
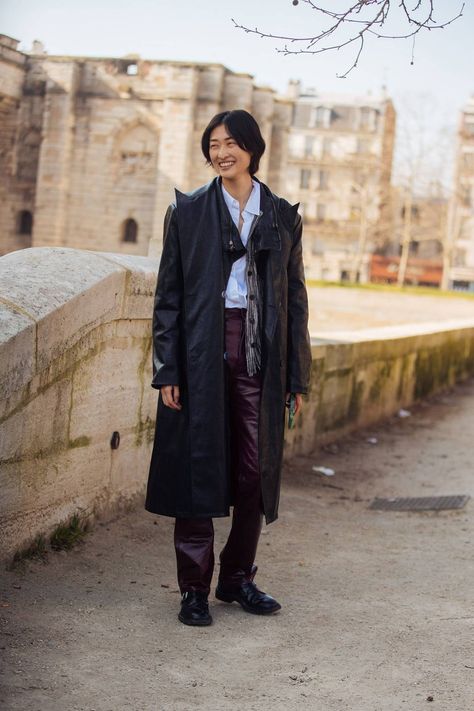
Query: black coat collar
267, 235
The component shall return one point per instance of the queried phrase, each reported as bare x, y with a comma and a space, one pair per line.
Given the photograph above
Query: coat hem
187, 514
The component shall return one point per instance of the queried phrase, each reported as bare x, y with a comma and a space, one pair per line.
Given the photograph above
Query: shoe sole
195, 623
253, 611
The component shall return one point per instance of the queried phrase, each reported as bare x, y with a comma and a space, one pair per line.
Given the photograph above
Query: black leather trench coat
190, 466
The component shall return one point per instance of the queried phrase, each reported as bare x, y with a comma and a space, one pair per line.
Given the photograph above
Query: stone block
140, 284
69, 293
17, 350
39, 426
106, 392
129, 466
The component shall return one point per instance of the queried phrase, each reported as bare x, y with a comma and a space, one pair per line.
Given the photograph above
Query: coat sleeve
167, 307
299, 343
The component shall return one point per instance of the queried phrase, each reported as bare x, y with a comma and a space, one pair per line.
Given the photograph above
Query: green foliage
69, 534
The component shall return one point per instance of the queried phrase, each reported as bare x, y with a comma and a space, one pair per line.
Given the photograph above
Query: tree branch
362, 17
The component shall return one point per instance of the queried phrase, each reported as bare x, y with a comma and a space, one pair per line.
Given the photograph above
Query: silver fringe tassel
253, 345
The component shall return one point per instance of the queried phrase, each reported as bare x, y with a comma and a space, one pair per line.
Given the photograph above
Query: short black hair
244, 130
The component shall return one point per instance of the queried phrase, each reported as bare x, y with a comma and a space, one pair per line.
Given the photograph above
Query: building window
308, 146
415, 212
469, 125
305, 176
465, 195
127, 66
129, 230
323, 180
320, 211
366, 117
320, 116
25, 222
468, 160
327, 146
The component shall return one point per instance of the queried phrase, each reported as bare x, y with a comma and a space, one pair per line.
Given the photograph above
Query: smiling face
228, 159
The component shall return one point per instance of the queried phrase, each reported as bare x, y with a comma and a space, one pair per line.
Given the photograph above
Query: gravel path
377, 607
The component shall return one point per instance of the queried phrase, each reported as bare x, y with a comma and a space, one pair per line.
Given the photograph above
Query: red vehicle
419, 272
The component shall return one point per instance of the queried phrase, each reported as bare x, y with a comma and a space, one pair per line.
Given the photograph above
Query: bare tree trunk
406, 238
452, 230
363, 234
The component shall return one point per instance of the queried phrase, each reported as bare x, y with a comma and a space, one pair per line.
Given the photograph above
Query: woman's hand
170, 395
298, 401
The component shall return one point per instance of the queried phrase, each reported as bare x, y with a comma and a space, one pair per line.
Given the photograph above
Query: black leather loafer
249, 597
194, 609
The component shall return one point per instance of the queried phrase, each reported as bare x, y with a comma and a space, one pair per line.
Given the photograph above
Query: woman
230, 344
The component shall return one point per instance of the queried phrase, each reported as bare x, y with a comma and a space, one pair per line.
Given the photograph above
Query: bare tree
421, 172
368, 198
359, 20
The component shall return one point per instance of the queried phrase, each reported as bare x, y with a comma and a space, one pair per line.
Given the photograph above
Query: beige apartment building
339, 167
460, 240
92, 148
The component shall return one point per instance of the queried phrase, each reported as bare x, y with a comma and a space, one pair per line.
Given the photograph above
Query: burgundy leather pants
194, 537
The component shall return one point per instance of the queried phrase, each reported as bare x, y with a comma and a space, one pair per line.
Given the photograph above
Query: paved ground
333, 308
377, 607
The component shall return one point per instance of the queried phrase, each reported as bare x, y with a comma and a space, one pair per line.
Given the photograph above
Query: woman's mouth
226, 164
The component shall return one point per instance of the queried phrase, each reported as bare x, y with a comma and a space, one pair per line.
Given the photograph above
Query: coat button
223, 294
249, 273
253, 344
251, 319
252, 297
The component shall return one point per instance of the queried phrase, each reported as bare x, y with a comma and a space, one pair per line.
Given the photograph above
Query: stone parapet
361, 377
75, 354
75, 360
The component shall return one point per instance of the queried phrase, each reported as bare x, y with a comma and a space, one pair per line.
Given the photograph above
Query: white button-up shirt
236, 290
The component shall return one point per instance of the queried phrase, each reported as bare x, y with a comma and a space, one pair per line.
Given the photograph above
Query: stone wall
361, 377
88, 144
75, 367
75, 354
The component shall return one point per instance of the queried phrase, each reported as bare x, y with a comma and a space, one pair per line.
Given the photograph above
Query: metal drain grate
421, 503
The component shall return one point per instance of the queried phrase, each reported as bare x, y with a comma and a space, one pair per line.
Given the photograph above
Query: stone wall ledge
75, 354
50, 298
388, 333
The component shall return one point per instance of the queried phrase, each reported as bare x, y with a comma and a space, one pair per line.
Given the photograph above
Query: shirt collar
253, 203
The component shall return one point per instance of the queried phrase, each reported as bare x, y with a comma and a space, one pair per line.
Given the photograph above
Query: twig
359, 16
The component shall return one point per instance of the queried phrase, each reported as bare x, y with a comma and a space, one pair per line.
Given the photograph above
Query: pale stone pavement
377, 606
333, 308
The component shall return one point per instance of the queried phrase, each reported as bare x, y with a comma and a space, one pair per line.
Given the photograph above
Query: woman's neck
240, 189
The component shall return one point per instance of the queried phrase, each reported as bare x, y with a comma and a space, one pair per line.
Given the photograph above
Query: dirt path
377, 607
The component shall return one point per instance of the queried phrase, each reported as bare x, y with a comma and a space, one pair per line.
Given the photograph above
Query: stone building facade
339, 167
461, 214
92, 148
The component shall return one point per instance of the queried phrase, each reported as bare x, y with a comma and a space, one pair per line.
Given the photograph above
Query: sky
436, 86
